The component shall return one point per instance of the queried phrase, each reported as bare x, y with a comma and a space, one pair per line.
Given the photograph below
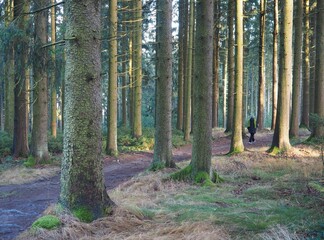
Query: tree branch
45, 8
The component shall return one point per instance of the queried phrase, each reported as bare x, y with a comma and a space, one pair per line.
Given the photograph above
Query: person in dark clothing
252, 129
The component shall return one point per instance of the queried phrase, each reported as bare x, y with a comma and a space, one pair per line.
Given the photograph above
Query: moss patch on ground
47, 222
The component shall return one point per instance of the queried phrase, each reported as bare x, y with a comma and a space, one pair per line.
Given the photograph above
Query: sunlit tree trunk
111, 147
137, 127
188, 80
275, 65
82, 182
39, 148
280, 139
298, 24
306, 69
260, 117
124, 74
215, 93
313, 24
237, 141
163, 130
202, 91
230, 66
319, 70
20, 141
53, 74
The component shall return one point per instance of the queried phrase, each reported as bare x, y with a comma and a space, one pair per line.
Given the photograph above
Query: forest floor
21, 203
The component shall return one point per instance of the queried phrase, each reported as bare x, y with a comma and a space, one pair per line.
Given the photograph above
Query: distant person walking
252, 129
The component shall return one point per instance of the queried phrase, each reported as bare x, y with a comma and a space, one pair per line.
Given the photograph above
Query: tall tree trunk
281, 135
237, 141
188, 80
294, 124
260, 117
9, 75
163, 129
319, 74
275, 65
124, 67
53, 74
181, 65
202, 123
39, 147
216, 65
137, 127
313, 24
82, 182
230, 66
306, 69
111, 147
20, 141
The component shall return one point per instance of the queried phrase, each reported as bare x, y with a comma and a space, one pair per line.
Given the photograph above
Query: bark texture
39, 142
298, 24
20, 140
281, 134
319, 74
203, 74
82, 183
237, 141
163, 129
53, 74
111, 147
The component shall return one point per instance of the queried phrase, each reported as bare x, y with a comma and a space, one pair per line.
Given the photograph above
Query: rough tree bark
82, 182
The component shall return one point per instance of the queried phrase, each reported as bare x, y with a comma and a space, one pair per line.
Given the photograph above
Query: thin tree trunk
230, 66
111, 147
181, 67
294, 124
306, 69
216, 65
260, 117
187, 120
53, 74
39, 148
275, 65
313, 24
237, 141
137, 127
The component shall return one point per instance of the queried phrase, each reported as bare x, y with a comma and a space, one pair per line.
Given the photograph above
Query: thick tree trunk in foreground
202, 82
281, 135
82, 182
163, 130
39, 147
237, 141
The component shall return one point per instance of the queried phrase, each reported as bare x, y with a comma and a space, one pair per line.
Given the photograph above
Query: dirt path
21, 205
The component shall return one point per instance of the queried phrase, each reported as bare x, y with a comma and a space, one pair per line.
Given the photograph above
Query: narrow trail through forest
22, 204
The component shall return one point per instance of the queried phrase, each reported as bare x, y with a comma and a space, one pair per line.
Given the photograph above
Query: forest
161, 119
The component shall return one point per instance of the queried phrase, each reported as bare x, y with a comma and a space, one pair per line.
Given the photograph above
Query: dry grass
151, 208
21, 174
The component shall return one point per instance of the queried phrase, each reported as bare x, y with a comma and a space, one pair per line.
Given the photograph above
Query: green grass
47, 222
280, 197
